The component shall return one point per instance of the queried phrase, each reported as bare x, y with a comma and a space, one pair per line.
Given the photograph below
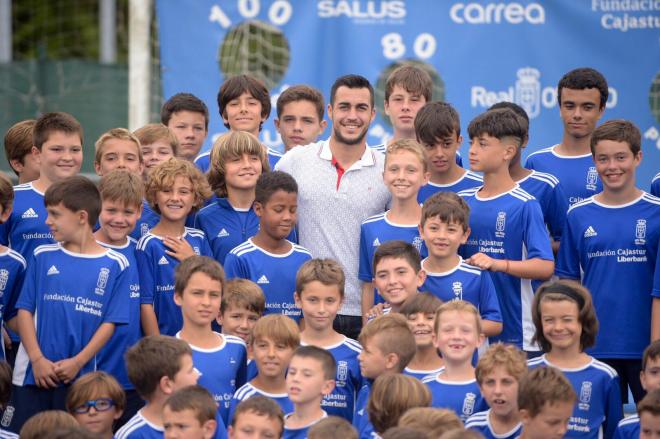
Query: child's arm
535, 268
655, 318
178, 247
367, 301
491, 328
148, 319
43, 369
613, 408
68, 369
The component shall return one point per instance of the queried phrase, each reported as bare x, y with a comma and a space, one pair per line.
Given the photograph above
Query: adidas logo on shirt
52, 270
376, 242
30, 213
163, 261
590, 232
263, 280
222, 233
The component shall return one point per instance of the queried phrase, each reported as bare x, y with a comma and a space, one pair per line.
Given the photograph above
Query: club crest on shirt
500, 224
640, 232
585, 395
457, 288
4, 277
468, 403
592, 178
102, 281
417, 243
342, 373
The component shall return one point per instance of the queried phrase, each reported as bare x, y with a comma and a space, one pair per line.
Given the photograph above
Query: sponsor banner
478, 53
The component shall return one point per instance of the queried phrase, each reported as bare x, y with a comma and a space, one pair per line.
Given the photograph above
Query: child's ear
118, 414
178, 299
328, 387
421, 278
296, 299
166, 385
82, 216
480, 340
466, 235
209, 428
391, 360
524, 416
258, 208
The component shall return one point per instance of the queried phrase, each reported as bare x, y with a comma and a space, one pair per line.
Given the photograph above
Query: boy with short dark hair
405, 172
546, 188
582, 94
121, 199
274, 339
445, 227
258, 416
158, 144
545, 401
388, 345
268, 258
498, 373
57, 147
299, 118
628, 428
190, 414
158, 366
243, 303
188, 118
18, 151
198, 286
310, 377
407, 89
438, 129
118, 148
502, 216
76, 281
610, 243
319, 294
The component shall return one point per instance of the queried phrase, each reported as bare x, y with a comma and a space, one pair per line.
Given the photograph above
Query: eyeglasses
101, 405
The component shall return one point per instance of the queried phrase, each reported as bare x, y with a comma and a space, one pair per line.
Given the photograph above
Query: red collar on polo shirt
340, 170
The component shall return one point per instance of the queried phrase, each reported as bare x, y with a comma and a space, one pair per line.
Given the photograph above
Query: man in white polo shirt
340, 184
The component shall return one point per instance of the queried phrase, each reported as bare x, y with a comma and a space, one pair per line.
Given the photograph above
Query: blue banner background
483, 51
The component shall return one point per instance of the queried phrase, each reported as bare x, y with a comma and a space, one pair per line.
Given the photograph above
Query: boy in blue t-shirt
310, 377
188, 118
458, 335
419, 311
18, 151
546, 188
268, 258
498, 373
198, 291
190, 412
628, 428
438, 129
175, 188
444, 227
319, 294
121, 201
74, 294
58, 149
158, 366
610, 244
260, 416
274, 339
508, 236
12, 265
582, 94
405, 172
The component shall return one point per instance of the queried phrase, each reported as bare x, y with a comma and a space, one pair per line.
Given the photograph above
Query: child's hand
376, 310
179, 248
44, 373
485, 262
67, 369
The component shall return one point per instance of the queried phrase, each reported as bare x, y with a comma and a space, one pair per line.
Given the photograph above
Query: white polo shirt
329, 218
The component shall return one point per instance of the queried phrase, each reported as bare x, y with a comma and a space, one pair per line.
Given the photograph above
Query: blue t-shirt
468, 180
12, 274
613, 250
203, 161
341, 402
421, 374
275, 274
509, 226
4, 434
26, 228
247, 391
222, 369
577, 174
111, 356
598, 408
550, 194
252, 370
70, 295
655, 185
361, 420
147, 221
628, 428
298, 433
464, 398
139, 428
465, 282
377, 230
156, 270
481, 422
